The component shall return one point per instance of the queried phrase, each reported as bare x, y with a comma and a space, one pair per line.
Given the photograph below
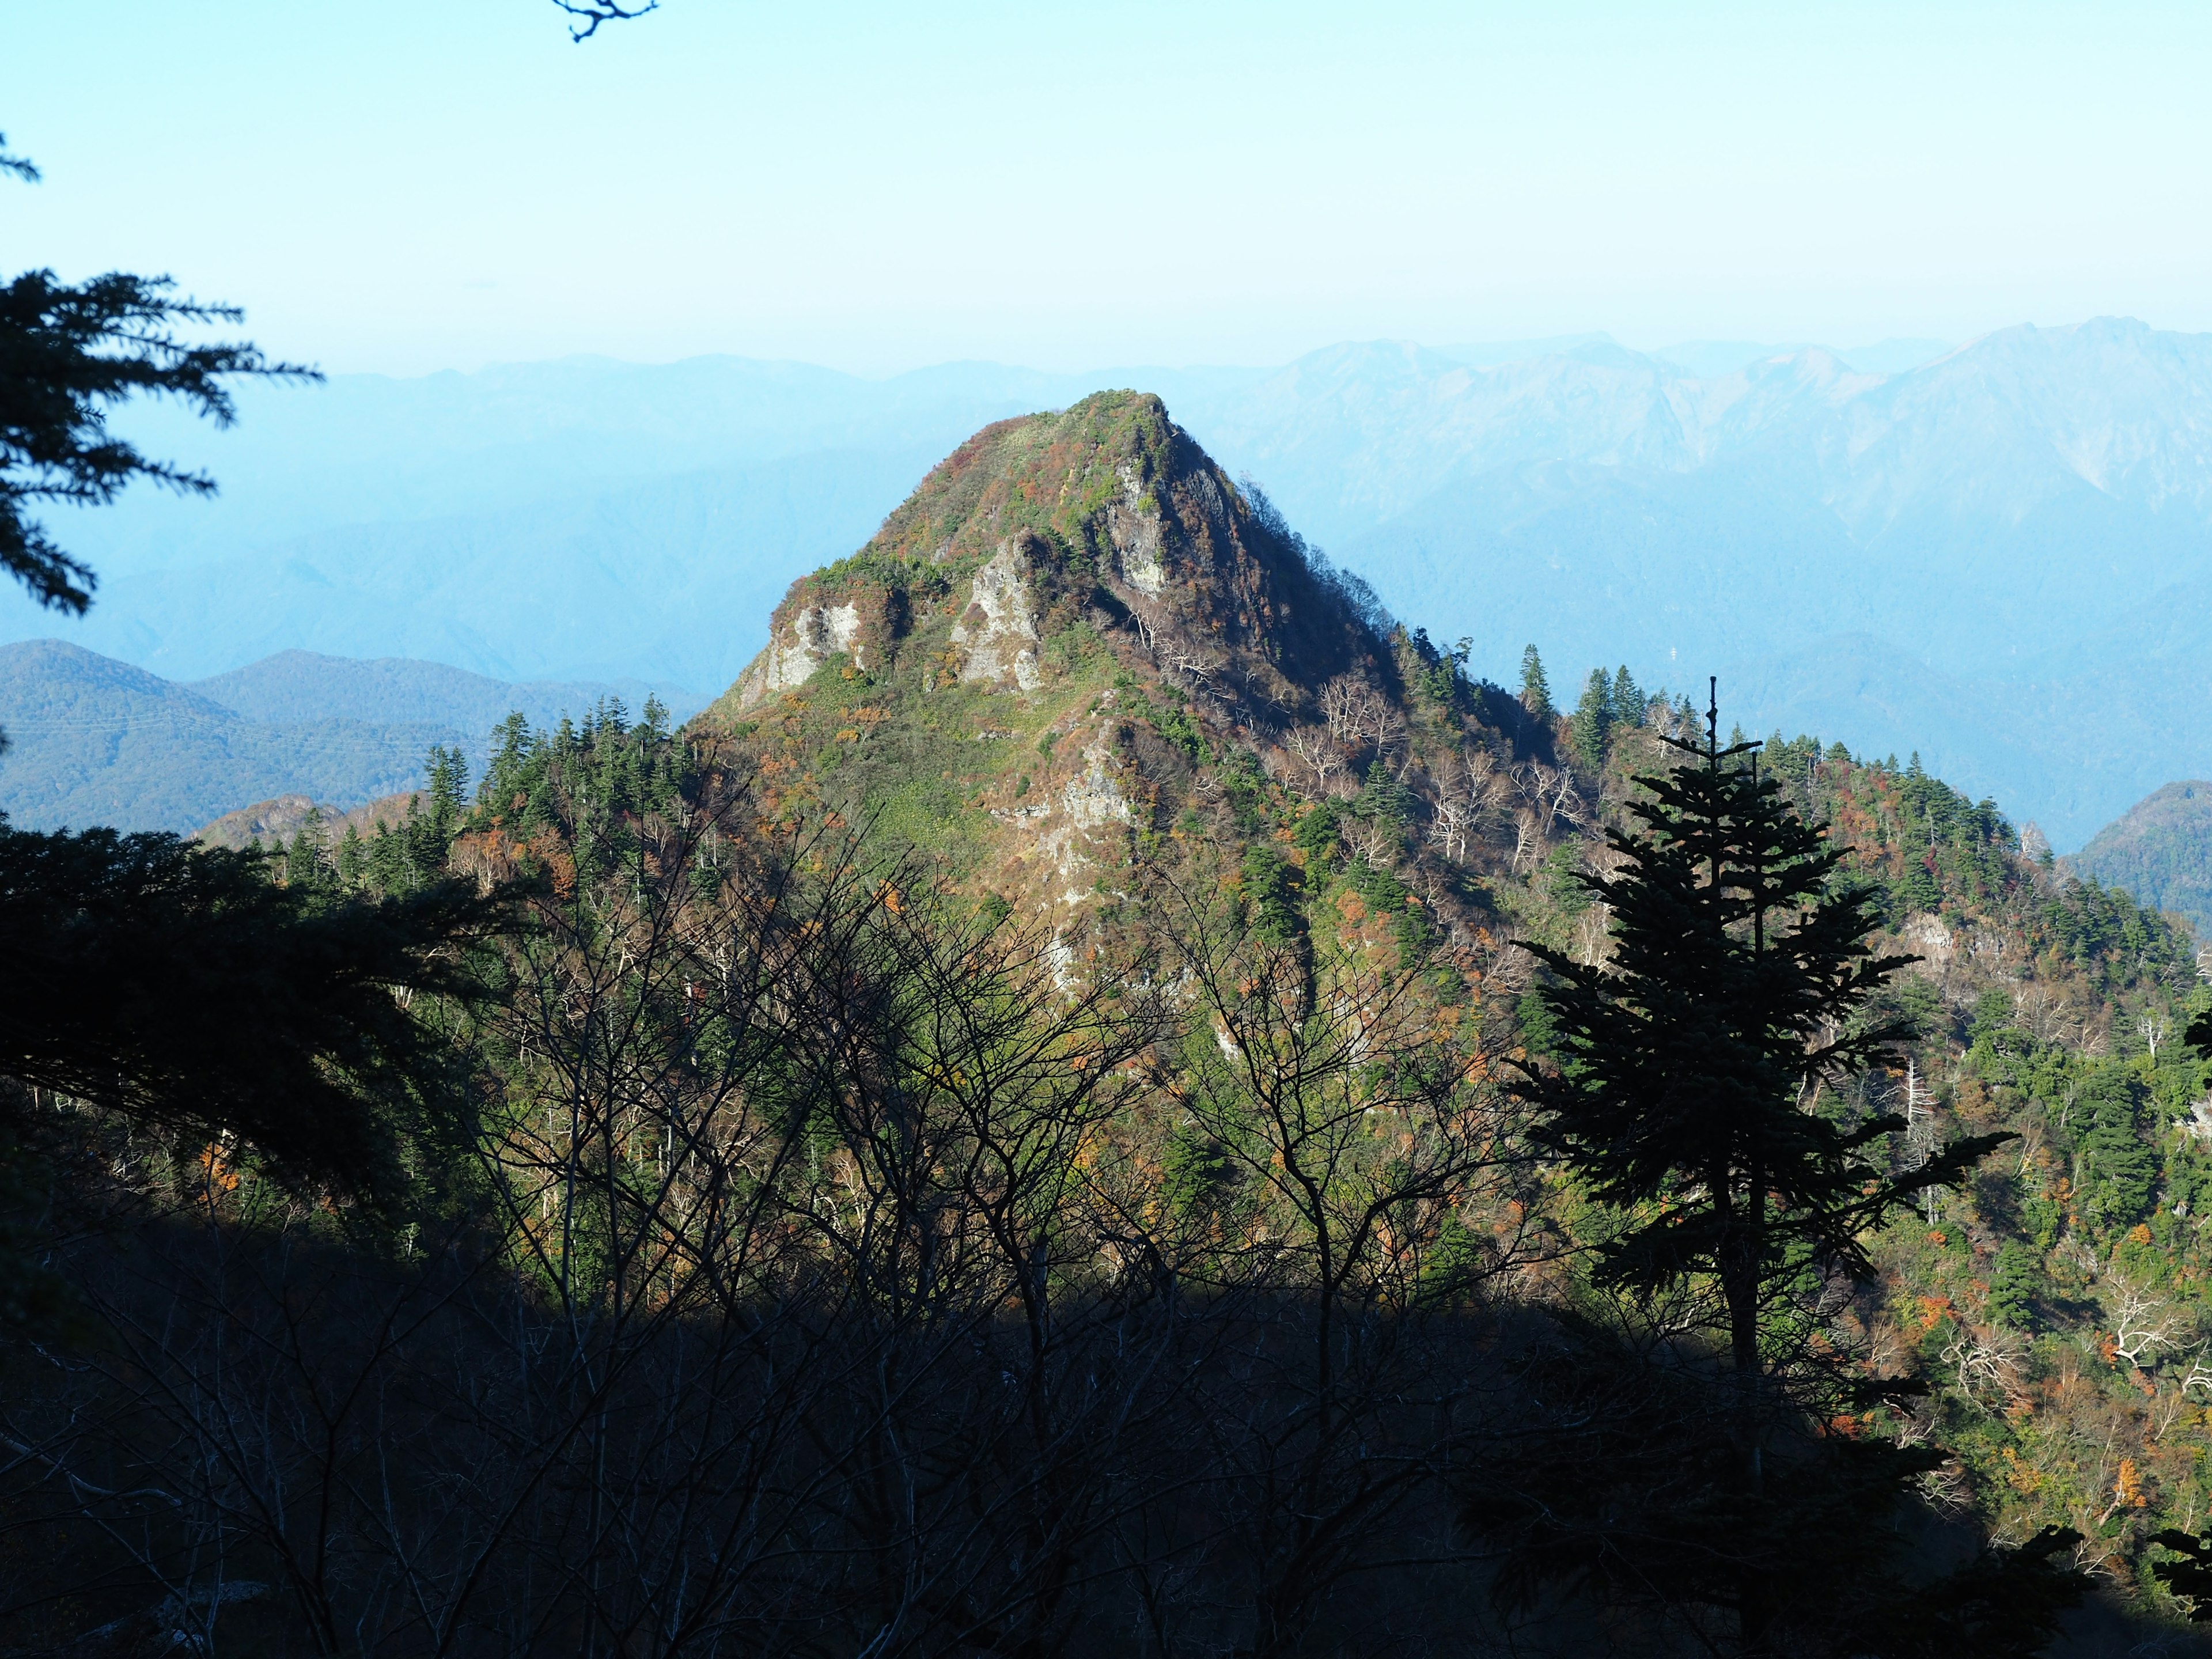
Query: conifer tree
177, 987
181, 988
67, 354
1693, 1099
1535, 690
1590, 726
1627, 699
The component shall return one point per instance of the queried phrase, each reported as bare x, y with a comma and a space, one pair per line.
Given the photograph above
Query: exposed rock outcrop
820, 618
998, 629
273, 822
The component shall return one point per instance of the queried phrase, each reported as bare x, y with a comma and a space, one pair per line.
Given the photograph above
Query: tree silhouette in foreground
1692, 1099
174, 986
181, 989
68, 354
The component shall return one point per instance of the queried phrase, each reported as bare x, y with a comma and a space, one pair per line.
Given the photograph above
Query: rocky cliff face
1069, 647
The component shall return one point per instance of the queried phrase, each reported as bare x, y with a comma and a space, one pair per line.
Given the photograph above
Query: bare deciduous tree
1316, 751
1344, 1101
2141, 1324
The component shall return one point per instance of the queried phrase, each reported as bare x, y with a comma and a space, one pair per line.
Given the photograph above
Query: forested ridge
1080, 1110
2157, 850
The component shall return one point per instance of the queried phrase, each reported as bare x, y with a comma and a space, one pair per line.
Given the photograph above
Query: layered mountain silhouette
1997, 556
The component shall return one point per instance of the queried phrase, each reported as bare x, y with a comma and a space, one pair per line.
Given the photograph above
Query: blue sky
876, 186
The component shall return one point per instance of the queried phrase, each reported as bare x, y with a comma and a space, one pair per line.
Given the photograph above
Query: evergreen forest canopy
1108, 1098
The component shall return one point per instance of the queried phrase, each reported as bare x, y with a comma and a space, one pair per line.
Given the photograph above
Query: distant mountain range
2000, 555
92, 740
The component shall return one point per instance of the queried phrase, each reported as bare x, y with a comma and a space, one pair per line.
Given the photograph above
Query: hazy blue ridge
2000, 555
92, 740
2160, 850
305, 685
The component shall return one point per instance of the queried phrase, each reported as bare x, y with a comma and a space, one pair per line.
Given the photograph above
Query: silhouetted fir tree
67, 354
1535, 688
1690, 1071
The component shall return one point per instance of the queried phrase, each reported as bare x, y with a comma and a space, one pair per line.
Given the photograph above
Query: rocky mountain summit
1080, 643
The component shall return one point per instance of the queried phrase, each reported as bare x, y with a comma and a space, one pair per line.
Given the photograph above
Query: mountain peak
1075, 642
1106, 511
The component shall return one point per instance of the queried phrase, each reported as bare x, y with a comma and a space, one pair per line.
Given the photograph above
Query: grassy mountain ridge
1077, 642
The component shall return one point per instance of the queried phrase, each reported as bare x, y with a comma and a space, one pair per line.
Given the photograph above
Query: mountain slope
1094, 683
276, 823
303, 685
95, 741
91, 740
1026, 668
2160, 851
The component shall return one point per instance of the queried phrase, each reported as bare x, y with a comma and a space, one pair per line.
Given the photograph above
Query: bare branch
592, 13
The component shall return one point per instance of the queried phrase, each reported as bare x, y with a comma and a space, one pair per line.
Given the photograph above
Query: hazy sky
404, 188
